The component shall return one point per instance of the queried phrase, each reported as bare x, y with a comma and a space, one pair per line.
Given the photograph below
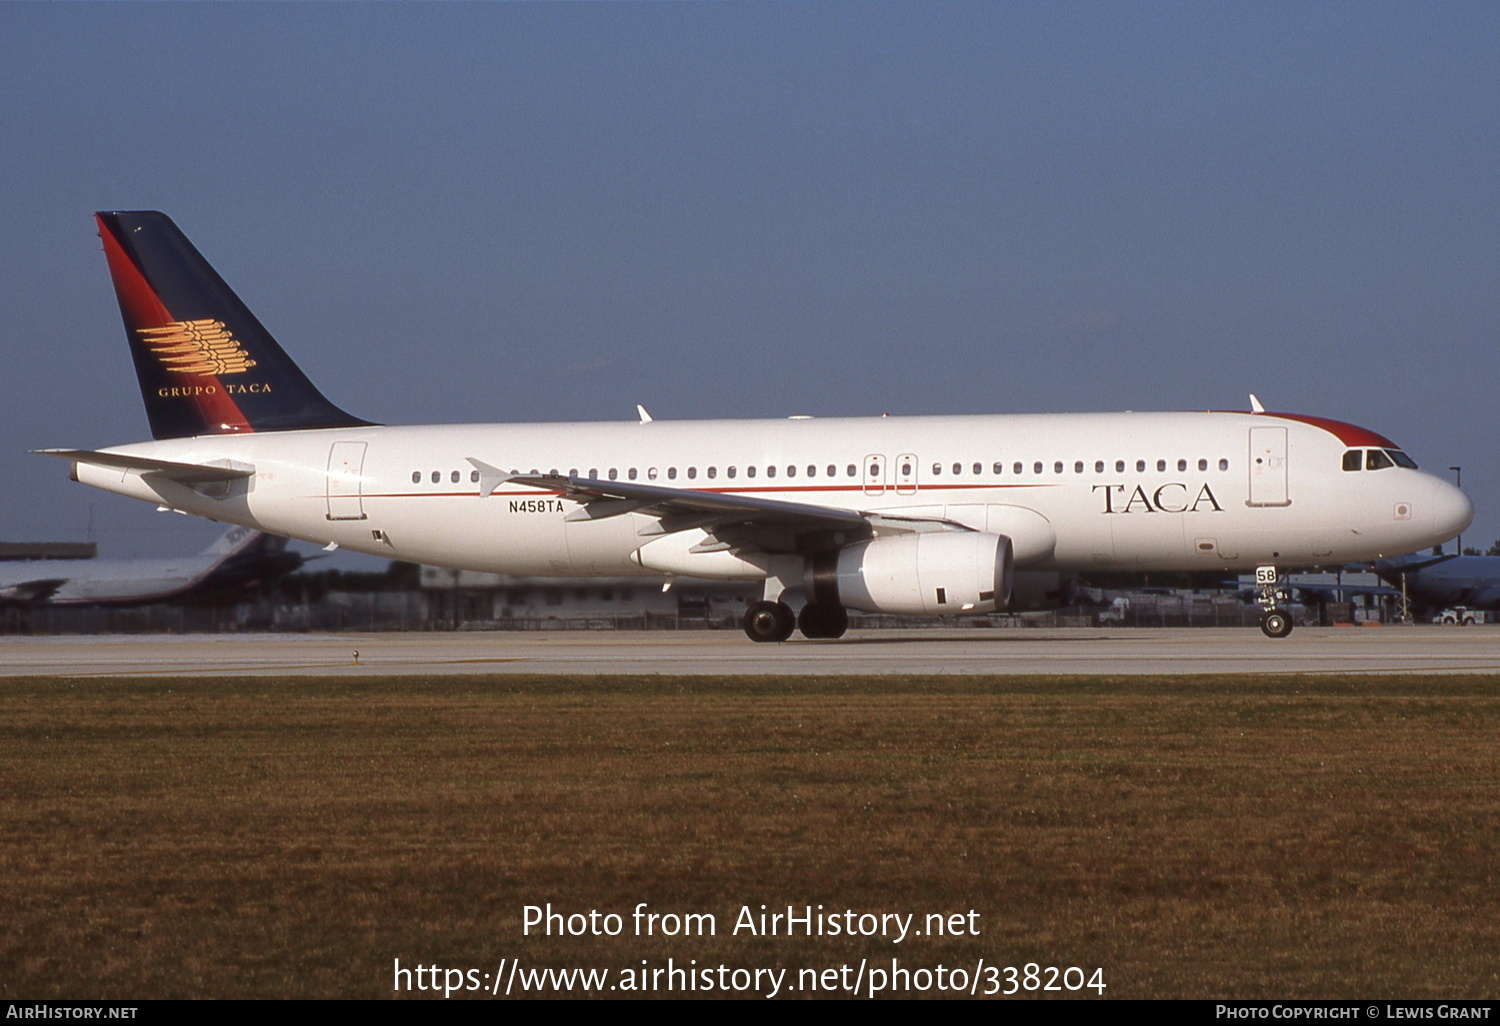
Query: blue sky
487, 212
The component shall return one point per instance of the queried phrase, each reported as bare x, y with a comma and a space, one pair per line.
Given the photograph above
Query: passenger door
1268, 467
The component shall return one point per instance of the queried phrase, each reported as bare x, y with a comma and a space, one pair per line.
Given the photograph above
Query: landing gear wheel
1276, 623
820, 621
769, 621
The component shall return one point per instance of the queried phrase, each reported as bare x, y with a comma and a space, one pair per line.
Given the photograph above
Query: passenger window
671, 473
979, 468
453, 477
1078, 466
1036, 468
1352, 459
1376, 459
999, 469
1182, 464
692, 473
749, 471
613, 473
437, 475
770, 471
732, 471
651, 474
1018, 468
958, 468
1140, 466
631, 473
1203, 464
812, 471
713, 472
851, 472
1161, 465
1057, 467
834, 471
416, 477
791, 471
1098, 466
906, 470
1119, 466
1223, 464
594, 473
937, 470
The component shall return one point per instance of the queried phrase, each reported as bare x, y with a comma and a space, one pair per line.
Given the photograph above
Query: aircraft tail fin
205, 364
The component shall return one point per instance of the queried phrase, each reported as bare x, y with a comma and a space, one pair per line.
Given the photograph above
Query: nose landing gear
1275, 622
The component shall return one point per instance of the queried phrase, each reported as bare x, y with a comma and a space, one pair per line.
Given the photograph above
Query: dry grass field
1192, 837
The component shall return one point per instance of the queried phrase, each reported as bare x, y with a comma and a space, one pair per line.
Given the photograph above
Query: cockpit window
1353, 459
1402, 460
1376, 459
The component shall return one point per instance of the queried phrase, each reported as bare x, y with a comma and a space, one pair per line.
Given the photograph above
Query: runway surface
1403, 650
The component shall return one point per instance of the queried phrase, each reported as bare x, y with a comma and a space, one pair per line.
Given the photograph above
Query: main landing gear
775, 621
769, 621
1275, 622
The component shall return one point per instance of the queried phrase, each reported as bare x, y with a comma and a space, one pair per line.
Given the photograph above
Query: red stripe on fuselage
1349, 434
143, 308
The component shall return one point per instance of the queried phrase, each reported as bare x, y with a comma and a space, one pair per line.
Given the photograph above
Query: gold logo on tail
197, 347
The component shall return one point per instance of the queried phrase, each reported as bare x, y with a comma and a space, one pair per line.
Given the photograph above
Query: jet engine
925, 574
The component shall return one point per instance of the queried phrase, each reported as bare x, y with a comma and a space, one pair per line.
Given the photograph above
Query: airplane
239, 559
1445, 580
924, 515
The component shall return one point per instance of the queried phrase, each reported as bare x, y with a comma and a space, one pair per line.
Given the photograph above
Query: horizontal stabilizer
183, 473
28, 592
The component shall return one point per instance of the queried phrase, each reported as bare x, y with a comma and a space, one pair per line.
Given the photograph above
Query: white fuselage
1166, 491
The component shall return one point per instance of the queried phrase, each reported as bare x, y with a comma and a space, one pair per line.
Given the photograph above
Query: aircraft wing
1394, 568
773, 524
183, 473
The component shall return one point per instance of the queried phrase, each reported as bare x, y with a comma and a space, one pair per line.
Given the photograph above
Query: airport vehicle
237, 561
915, 515
1459, 615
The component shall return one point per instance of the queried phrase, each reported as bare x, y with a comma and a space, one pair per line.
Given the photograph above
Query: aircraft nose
1452, 511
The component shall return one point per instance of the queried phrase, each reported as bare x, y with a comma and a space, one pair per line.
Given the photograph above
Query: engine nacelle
926, 574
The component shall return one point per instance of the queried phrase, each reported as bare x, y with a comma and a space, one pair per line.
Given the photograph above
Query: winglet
1255, 406
490, 477
645, 417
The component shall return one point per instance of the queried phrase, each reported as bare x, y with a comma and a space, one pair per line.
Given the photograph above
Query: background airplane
241, 559
1445, 580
